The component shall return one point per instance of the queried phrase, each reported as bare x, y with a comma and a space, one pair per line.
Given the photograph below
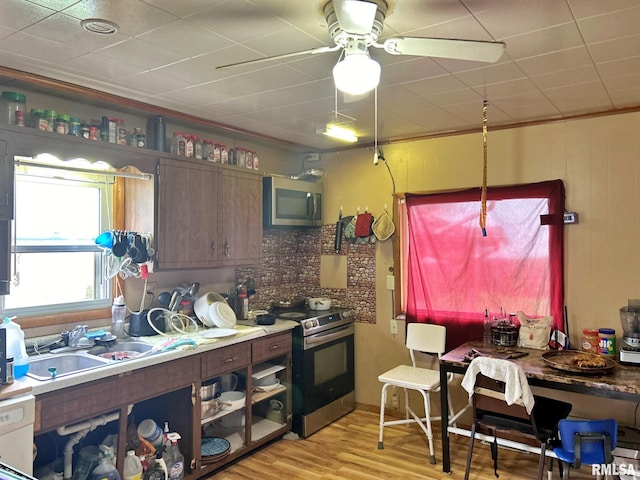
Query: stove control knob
306, 324
314, 322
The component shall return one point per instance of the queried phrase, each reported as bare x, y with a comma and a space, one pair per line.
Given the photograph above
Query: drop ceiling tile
506, 89
497, 73
18, 14
193, 96
431, 86
519, 110
133, 16
558, 37
588, 73
470, 114
151, 83
589, 8
94, 64
579, 98
6, 31
272, 44
200, 69
612, 25
141, 54
402, 16
185, 8
506, 18
555, 62
66, 29
619, 68
39, 48
454, 97
616, 49
184, 37
411, 69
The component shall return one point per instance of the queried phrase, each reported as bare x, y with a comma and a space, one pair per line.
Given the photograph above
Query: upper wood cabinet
241, 217
187, 215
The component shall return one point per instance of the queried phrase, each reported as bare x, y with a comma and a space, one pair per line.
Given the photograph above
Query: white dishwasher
17, 416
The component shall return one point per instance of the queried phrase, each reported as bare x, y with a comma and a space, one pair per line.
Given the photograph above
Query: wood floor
347, 450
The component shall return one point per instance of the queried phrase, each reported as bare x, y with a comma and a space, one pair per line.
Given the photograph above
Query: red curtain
454, 273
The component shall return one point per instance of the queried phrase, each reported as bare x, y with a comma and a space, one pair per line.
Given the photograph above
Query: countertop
27, 384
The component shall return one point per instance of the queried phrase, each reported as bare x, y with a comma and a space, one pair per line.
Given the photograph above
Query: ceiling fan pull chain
483, 201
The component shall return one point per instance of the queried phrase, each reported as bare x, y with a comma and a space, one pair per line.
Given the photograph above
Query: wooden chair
493, 416
421, 337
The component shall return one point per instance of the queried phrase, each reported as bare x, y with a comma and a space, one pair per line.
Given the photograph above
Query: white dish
219, 333
267, 388
232, 400
222, 315
201, 307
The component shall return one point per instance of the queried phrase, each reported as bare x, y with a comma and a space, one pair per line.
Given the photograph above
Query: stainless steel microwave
292, 203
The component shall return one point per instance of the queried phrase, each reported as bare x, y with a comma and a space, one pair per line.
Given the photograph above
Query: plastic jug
105, 469
132, 466
16, 348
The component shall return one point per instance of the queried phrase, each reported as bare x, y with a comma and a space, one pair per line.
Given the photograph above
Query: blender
630, 347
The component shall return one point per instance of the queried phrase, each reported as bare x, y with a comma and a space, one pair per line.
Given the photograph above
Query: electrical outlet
152, 287
570, 217
394, 326
394, 400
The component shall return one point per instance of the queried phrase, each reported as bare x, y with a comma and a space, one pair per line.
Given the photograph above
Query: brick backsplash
291, 269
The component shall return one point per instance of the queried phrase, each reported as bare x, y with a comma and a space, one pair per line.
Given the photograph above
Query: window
453, 273
56, 263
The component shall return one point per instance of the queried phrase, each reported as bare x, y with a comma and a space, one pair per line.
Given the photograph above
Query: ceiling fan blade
355, 16
313, 51
475, 50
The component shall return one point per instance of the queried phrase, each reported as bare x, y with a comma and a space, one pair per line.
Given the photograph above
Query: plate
214, 446
222, 315
219, 333
267, 388
564, 360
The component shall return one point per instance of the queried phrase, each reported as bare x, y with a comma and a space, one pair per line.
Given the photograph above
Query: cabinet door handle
275, 347
226, 249
212, 246
232, 359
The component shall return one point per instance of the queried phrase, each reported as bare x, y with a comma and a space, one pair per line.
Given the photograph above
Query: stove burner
292, 315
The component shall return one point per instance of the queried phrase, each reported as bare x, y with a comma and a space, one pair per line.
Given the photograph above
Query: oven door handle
326, 337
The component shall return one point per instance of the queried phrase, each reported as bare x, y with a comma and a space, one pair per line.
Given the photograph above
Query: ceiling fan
356, 25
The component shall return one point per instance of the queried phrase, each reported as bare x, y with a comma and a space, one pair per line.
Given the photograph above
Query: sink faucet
76, 334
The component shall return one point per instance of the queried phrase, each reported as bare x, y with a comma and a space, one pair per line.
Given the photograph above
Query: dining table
616, 381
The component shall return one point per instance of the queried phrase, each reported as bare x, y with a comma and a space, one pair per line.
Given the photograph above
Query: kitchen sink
121, 350
41, 367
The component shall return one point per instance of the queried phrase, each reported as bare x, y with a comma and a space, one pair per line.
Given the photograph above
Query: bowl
201, 307
222, 315
319, 303
232, 400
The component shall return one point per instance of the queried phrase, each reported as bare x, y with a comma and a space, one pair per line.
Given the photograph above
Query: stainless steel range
323, 367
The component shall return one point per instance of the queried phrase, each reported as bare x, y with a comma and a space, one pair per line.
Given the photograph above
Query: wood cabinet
169, 392
187, 215
241, 217
6, 182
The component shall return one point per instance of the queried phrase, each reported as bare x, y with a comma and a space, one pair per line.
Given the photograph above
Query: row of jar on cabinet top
187, 145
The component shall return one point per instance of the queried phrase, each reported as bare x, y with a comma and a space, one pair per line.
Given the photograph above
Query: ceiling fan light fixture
358, 73
341, 133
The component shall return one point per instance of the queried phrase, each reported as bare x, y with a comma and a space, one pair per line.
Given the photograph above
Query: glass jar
94, 132
38, 121
255, 161
241, 157
12, 102
207, 150
197, 147
249, 159
50, 116
138, 138
85, 130
62, 124
188, 146
216, 152
74, 126
121, 132
20, 118
224, 153
178, 144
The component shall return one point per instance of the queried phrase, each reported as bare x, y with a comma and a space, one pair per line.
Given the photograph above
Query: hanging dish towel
363, 225
383, 226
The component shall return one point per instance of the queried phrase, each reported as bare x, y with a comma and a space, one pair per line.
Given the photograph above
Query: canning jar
12, 102
51, 116
178, 144
38, 121
74, 126
62, 124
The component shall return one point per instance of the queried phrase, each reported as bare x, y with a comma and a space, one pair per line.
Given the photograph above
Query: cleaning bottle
157, 469
105, 470
118, 314
16, 347
175, 463
132, 466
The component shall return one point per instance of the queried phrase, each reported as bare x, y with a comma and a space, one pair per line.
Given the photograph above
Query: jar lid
590, 331
64, 117
37, 111
75, 119
607, 331
195, 137
50, 113
14, 97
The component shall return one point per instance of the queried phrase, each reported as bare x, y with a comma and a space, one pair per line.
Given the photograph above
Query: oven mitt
363, 224
349, 224
383, 226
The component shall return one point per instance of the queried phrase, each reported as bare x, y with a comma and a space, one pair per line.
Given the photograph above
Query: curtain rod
137, 176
